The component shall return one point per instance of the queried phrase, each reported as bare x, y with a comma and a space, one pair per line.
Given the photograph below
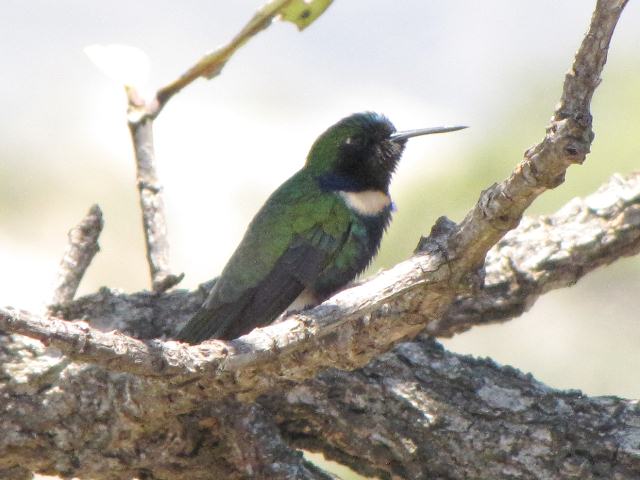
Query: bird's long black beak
399, 136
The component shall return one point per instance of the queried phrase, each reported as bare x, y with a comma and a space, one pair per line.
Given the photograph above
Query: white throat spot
367, 202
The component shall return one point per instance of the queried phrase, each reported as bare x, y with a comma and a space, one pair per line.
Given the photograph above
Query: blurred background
224, 145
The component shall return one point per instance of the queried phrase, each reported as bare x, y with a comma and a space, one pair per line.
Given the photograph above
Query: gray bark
420, 412
417, 412
79, 420
83, 246
151, 202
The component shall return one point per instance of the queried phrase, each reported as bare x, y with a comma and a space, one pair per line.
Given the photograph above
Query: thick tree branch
550, 252
82, 421
82, 247
415, 413
543, 254
420, 412
16, 473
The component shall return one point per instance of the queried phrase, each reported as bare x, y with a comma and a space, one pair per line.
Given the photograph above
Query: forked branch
142, 112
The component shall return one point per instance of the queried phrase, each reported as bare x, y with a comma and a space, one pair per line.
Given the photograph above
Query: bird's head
361, 152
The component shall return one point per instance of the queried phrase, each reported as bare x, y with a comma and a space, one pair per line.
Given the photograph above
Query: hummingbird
315, 233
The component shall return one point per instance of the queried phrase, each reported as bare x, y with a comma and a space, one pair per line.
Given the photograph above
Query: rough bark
82, 247
567, 141
420, 412
550, 252
84, 420
542, 254
79, 420
151, 204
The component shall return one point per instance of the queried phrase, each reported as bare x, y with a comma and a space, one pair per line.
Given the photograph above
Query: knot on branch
498, 208
438, 238
567, 142
153, 187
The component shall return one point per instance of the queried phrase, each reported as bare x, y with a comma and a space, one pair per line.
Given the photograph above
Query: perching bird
314, 234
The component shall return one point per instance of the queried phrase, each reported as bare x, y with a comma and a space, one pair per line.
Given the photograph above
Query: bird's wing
289, 242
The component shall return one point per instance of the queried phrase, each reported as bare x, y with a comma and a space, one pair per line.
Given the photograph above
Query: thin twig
82, 247
152, 205
212, 64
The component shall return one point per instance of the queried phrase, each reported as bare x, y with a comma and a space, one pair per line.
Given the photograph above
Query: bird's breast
367, 203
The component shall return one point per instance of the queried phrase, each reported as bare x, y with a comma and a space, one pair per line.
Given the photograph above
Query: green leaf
303, 12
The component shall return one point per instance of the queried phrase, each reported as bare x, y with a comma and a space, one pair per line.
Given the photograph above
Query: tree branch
142, 112
543, 254
417, 412
396, 304
568, 141
420, 412
152, 206
550, 252
362, 322
82, 421
212, 63
82, 247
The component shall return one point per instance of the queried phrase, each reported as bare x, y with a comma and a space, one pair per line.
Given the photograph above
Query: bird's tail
217, 320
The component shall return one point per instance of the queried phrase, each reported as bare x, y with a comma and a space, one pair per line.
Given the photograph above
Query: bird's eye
352, 141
